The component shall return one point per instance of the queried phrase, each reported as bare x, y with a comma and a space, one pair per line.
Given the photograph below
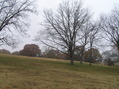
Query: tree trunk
71, 61
90, 62
71, 54
91, 53
81, 60
82, 54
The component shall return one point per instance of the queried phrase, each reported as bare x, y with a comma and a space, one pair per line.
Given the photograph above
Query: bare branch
13, 14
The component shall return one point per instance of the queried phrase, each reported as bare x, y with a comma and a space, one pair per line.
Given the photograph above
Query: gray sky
97, 7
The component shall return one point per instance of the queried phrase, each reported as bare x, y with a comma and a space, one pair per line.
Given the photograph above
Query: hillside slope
17, 72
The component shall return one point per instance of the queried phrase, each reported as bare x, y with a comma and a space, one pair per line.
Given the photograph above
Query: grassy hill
17, 72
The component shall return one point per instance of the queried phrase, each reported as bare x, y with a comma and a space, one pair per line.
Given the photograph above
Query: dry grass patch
34, 73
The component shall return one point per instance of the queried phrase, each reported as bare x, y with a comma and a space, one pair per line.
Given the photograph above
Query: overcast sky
97, 7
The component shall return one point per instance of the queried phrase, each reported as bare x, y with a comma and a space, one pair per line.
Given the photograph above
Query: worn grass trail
17, 72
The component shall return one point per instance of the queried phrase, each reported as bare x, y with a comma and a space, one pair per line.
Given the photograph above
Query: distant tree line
34, 51
108, 57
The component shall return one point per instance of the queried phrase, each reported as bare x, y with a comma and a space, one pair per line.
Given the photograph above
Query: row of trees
107, 57
50, 53
34, 51
28, 50
72, 25
67, 29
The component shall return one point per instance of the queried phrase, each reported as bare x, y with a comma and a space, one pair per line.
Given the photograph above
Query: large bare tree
110, 26
13, 14
62, 28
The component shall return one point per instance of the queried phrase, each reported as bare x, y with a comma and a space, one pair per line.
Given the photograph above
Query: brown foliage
5, 51
95, 55
31, 50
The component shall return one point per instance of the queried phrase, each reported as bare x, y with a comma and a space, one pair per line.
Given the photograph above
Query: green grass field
17, 72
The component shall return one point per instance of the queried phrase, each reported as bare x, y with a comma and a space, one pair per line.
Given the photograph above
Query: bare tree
110, 26
84, 41
94, 29
13, 14
89, 36
62, 28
